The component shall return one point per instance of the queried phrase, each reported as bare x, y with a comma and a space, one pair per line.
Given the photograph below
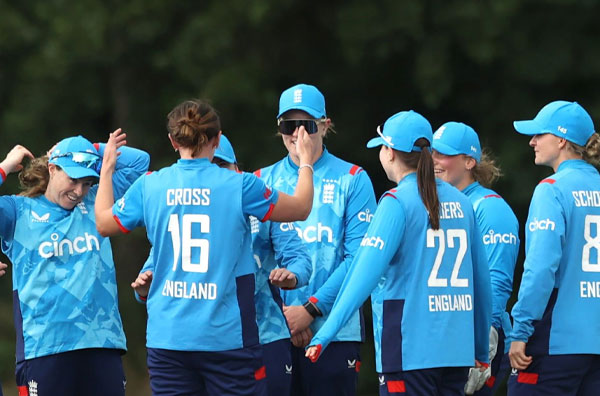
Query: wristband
309, 166
312, 309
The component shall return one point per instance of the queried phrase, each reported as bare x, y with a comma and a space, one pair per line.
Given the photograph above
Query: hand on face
308, 146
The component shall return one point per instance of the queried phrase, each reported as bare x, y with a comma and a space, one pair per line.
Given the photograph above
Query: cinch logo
36, 218
372, 241
310, 233
492, 238
541, 225
80, 244
365, 216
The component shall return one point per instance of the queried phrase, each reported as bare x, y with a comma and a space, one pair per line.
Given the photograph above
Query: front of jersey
196, 218
274, 247
64, 281
558, 310
343, 205
431, 295
500, 236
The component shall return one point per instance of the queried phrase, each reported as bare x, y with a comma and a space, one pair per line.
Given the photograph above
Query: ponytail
591, 152
35, 177
423, 163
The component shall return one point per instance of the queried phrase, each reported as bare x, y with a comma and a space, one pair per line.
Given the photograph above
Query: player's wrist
312, 308
3, 173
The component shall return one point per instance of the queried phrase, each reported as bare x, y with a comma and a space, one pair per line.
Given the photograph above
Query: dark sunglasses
287, 127
85, 160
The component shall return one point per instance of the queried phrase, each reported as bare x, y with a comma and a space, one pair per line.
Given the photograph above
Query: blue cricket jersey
64, 284
343, 205
431, 294
196, 218
558, 310
500, 236
275, 245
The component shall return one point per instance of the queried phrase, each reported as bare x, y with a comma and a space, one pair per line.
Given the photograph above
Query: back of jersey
562, 267
430, 291
202, 295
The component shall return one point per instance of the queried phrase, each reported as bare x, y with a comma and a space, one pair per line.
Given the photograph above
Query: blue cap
454, 138
302, 97
567, 120
77, 156
402, 130
225, 150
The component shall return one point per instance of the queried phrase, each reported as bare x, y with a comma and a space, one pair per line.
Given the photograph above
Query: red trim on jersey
149, 172
527, 378
319, 350
388, 194
123, 229
355, 169
313, 299
2, 174
261, 373
396, 387
490, 382
23, 391
143, 298
268, 215
257, 172
268, 193
549, 181
97, 146
358, 363
492, 196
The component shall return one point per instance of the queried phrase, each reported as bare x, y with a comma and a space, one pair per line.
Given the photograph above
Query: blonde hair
591, 152
486, 172
35, 177
192, 124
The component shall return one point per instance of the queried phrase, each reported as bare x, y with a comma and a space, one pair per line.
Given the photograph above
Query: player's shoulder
337, 164
269, 170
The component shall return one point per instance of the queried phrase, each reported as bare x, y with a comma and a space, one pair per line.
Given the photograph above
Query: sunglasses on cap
86, 160
287, 127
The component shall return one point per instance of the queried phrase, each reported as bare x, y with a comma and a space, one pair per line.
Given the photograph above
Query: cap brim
225, 158
314, 113
375, 142
77, 172
443, 148
528, 127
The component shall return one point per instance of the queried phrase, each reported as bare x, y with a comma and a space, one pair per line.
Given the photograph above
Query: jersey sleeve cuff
121, 227
2, 175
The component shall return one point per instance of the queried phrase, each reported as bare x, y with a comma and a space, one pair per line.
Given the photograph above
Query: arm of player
13, 161
290, 253
3, 268
482, 297
500, 228
543, 251
131, 164
360, 210
141, 285
298, 206
370, 263
105, 223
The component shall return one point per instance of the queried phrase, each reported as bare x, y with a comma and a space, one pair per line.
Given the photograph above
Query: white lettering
541, 225
450, 302
79, 245
365, 216
492, 238
191, 291
311, 233
586, 198
451, 210
188, 196
375, 242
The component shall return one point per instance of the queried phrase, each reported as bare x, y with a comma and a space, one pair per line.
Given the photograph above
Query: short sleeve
128, 211
258, 199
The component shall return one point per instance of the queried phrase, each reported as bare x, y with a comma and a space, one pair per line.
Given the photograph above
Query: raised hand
14, 159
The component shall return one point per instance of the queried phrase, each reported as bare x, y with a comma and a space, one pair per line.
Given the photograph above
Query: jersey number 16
183, 241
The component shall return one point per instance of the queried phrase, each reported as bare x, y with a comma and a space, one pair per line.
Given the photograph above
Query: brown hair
35, 177
591, 152
423, 163
193, 123
486, 172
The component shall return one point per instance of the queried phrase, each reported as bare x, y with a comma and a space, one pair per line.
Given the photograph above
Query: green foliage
89, 67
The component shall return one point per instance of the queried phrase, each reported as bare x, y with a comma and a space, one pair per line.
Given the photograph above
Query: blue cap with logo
77, 157
302, 97
401, 131
454, 138
225, 150
567, 120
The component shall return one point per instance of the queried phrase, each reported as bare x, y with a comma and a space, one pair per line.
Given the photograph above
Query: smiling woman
49, 234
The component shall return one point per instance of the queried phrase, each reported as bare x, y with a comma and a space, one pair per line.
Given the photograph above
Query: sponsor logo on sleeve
373, 241
542, 225
492, 238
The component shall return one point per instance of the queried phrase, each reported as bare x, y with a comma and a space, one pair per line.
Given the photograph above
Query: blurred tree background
89, 67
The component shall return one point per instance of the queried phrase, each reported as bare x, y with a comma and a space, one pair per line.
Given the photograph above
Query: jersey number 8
183, 241
591, 243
